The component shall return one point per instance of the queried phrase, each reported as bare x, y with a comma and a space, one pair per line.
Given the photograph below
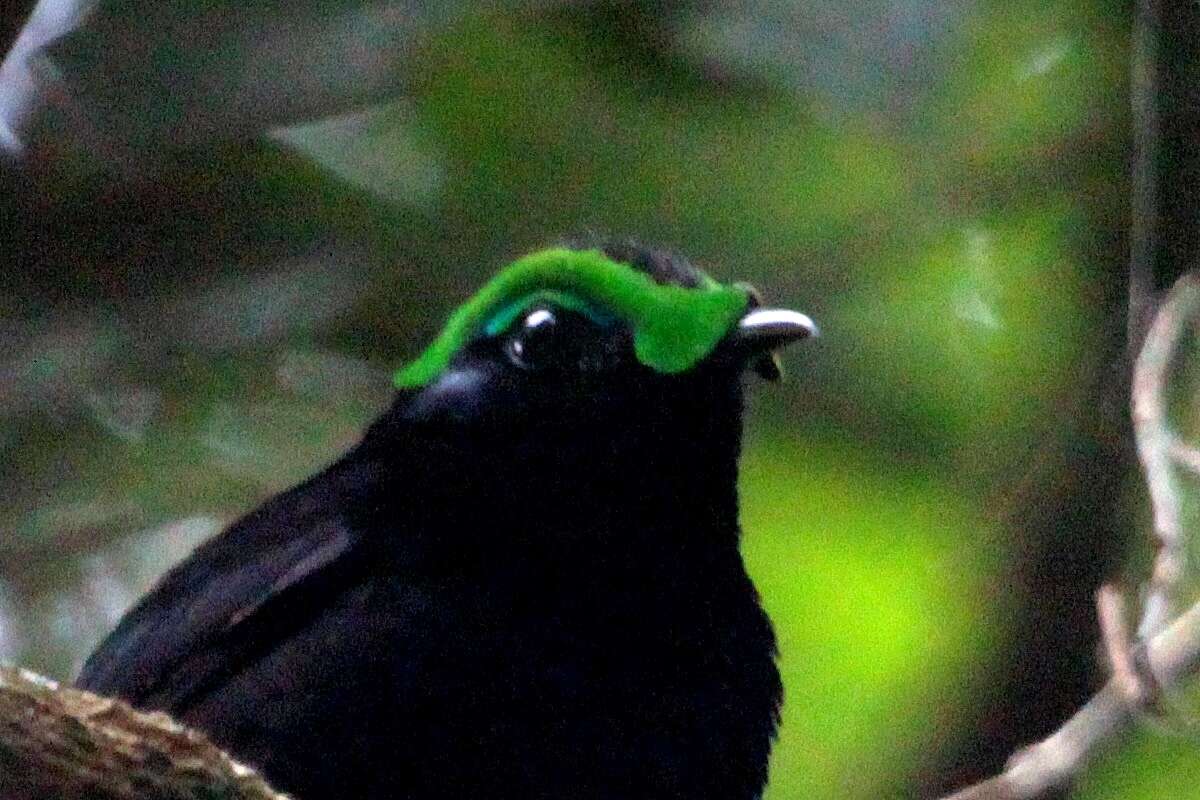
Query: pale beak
764, 330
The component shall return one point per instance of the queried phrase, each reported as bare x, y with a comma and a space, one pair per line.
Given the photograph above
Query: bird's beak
763, 331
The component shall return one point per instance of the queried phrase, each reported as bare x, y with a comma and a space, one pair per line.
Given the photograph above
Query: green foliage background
950, 213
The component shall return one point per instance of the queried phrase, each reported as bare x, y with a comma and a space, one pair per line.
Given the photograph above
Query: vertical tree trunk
1165, 224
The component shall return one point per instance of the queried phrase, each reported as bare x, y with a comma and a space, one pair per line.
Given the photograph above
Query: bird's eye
532, 343
546, 337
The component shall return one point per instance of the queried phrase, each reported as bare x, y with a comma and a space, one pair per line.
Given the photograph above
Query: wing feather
238, 592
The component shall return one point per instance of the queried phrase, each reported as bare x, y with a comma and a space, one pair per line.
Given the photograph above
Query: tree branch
58, 743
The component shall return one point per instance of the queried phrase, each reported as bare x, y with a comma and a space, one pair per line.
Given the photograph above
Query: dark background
226, 226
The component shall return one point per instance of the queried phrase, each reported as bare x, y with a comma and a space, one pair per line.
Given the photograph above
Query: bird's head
597, 372
622, 348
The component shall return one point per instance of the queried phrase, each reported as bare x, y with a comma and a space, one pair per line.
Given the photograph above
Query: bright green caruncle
673, 327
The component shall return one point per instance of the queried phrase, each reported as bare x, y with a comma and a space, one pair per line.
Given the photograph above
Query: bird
524, 581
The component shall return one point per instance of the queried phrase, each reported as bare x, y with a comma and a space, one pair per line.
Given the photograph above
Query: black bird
523, 583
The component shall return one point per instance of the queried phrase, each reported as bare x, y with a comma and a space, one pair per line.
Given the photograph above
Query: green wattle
673, 327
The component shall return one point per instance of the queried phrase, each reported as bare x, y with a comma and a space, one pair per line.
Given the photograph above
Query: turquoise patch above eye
673, 327
504, 319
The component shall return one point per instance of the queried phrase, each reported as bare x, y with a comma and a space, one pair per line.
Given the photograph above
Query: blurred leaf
372, 150
125, 86
877, 56
978, 333
749, 172
1029, 78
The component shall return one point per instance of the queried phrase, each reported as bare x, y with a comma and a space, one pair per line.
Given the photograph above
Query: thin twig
1186, 456
1171, 650
1156, 444
1173, 656
1139, 689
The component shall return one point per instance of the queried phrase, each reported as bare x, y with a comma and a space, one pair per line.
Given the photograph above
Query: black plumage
524, 582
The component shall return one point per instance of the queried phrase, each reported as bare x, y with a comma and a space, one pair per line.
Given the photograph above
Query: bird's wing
231, 598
